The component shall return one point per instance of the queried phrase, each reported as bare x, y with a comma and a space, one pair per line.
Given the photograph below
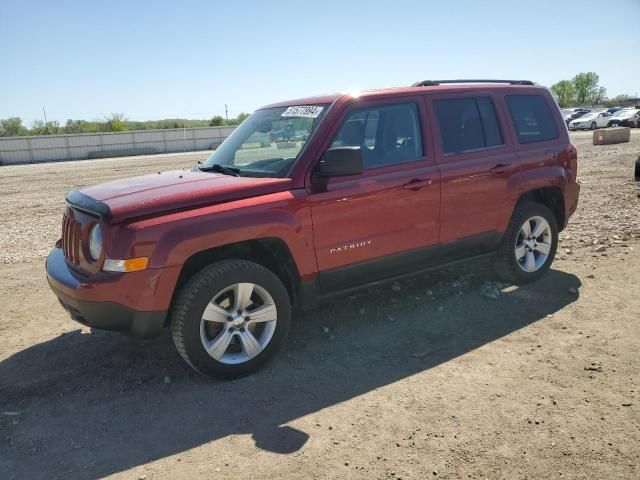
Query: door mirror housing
339, 162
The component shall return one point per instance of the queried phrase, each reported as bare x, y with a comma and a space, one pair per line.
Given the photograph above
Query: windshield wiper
234, 172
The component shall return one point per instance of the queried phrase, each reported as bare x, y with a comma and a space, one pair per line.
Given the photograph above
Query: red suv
365, 188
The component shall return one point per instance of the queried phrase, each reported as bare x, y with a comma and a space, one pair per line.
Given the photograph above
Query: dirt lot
430, 378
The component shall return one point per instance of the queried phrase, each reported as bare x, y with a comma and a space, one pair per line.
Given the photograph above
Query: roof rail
433, 83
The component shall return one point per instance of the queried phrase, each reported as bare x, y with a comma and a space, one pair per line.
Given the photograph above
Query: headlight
95, 242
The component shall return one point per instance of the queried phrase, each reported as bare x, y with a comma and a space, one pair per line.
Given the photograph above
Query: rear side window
531, 118
387, 134
467, 124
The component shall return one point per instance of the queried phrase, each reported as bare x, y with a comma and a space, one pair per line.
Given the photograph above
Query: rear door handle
500, 168
417, 183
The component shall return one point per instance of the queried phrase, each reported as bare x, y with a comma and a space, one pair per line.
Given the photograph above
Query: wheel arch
270, 252
551, 197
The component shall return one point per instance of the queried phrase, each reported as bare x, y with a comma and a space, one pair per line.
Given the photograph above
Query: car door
381, 222
476, 158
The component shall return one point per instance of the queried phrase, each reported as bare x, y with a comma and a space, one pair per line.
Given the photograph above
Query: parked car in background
627, 117
566, 113
613, 110
591, 120
633, 120
575, 113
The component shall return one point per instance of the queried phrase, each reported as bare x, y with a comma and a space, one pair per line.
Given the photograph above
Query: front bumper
95, 302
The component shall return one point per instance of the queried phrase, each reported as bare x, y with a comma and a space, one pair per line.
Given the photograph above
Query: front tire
230, 318
529, 245
593, 125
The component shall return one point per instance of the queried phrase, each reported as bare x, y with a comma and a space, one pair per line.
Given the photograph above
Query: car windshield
587, 116
267, 143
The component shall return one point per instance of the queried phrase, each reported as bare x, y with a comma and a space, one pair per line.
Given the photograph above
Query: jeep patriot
364, 188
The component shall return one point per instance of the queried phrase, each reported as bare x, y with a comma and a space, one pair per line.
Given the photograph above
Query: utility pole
226, 113
46, 125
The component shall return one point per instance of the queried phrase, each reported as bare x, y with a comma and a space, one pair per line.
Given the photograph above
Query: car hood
169, 191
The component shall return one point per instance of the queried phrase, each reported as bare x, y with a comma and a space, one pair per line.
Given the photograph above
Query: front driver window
387, 134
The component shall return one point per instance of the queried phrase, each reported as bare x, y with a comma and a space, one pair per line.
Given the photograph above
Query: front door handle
417, 183
500, 168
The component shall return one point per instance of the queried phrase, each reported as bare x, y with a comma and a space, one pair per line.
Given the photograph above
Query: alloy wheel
238, 323
533, 244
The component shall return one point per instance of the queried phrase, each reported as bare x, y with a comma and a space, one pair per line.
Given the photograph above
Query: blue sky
167, 59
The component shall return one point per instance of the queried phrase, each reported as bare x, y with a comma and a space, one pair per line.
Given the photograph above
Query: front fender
171, 239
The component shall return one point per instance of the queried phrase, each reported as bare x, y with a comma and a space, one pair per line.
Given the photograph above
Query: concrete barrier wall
53, 148
608, 136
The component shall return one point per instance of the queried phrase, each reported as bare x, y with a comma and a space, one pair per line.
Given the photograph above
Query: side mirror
339, 162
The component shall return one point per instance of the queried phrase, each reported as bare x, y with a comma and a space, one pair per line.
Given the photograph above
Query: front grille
71, 237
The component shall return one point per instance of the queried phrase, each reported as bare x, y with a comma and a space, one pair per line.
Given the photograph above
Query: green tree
586, 85
38, 127
12, 127
81, 126
217, 121
137, 125
618, 100
240, 118
599, 96
565, 91
115, 122
73, 126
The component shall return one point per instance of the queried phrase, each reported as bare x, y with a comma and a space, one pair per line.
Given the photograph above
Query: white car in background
590, 121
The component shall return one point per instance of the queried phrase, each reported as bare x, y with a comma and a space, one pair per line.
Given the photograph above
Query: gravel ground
447, 375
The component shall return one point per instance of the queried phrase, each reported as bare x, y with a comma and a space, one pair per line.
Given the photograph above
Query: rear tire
230, 318
529, 245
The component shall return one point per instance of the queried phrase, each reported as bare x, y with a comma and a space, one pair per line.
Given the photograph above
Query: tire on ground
196, 294
505, 263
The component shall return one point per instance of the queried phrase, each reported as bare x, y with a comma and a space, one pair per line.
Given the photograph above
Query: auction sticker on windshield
306, 111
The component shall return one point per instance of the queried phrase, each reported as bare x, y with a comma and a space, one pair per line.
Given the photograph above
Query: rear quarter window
467, 124
532, 118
